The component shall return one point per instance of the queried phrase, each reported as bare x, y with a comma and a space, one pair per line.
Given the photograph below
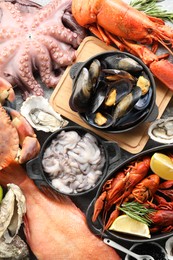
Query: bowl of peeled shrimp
73, 161
113, 91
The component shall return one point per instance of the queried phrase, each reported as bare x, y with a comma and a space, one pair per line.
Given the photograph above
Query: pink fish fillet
54, 227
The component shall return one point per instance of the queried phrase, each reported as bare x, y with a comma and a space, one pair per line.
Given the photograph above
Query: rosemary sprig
137, 211
152, 8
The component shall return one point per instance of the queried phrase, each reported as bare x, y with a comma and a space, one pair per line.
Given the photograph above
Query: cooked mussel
126, 104
98, 96
94, 70
130, 117
100, 120
114, 74
144, 83
82, 92
109, 94
122, 62
144, 100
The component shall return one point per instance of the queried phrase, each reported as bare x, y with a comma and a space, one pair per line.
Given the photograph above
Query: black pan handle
34, 171
113, 150
75, 69
95, 227
153, 115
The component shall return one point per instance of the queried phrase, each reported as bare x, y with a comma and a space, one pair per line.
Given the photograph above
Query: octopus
73, 162
37, 43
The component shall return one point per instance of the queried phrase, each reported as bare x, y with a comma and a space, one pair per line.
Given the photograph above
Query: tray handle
34, 171
94, 227
153, 115
113, 150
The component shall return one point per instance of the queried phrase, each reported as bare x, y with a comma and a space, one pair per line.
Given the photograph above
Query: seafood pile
162, 130
73, 162
130, 30
12, 210
51, 221
40, 114
137, 183
37, 42
113, 91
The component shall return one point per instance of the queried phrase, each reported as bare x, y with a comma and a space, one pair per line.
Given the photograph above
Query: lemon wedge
162, 165
1, 193
126, 224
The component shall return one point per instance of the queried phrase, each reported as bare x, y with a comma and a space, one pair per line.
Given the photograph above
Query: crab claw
6, 92
30, 149
29, 145
9, 140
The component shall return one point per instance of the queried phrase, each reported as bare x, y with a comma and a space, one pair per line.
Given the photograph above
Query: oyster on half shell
162, 130
169, 248
17, 249
41, 115
12, 209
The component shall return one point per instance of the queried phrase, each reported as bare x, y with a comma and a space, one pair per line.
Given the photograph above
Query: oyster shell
12, 209
40, 114
169, 248
162, 130
17, 249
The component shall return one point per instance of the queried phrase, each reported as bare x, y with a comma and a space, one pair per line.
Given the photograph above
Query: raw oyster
40, 114
169, 248
17, 249
12, 209
162, 130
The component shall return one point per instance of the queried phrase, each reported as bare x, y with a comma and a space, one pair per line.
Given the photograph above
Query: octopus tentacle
56, 49
43, 62
61, 33
25, 74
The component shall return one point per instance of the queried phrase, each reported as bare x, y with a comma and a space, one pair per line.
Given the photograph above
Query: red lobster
117, 189
117, 22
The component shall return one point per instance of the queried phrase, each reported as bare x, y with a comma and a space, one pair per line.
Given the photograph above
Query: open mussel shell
126, 104
91, 119
144, 100
123, 61
107, 64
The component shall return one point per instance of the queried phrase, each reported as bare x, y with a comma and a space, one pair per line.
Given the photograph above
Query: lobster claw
29, 146
163, 69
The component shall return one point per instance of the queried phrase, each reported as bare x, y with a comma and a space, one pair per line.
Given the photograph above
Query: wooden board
132, 141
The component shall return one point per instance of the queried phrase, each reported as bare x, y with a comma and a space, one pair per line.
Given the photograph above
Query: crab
18, 140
